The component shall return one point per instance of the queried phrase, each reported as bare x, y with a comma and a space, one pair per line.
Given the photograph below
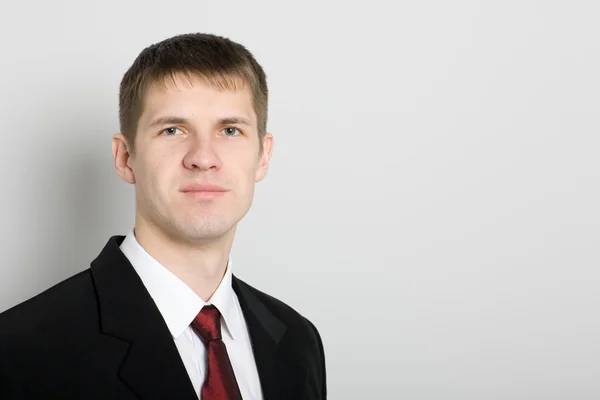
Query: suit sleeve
322, 361
10, 387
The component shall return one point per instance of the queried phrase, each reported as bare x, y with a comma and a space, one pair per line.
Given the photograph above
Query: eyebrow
173, 120
168, 121
234, 121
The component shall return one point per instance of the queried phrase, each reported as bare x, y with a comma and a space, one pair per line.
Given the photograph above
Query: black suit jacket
99, 335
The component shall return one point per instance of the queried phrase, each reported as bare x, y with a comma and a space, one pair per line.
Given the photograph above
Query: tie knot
207, 323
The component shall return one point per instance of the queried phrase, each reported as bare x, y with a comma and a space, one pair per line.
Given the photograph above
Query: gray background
435, 175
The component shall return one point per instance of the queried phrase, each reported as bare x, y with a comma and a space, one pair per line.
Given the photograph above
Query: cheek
245, 184
152, 175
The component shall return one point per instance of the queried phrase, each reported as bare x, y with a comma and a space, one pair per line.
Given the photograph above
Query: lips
202, 187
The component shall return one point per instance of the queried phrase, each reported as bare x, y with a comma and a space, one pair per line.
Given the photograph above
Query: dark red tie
220, 383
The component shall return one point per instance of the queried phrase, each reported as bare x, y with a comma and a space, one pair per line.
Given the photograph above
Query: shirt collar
177, 302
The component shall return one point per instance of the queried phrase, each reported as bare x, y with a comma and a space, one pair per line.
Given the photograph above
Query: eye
231, 131
172, 131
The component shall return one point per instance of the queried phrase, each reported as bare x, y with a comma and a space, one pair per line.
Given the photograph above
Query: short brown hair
221, 62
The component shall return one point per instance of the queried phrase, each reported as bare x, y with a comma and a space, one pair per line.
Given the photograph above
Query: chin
202, 231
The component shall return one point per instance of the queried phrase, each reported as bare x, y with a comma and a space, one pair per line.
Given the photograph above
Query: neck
201, 266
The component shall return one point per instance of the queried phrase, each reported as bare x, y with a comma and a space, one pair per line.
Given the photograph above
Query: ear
265, 158
122, 158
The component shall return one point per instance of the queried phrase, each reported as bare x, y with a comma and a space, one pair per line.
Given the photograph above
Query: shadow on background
62, 216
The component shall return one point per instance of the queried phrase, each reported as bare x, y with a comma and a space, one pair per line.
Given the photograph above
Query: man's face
193, 139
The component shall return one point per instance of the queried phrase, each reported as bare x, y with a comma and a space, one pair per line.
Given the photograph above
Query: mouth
203, 191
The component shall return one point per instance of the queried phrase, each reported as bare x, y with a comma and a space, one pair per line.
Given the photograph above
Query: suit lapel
152, 367
281, 376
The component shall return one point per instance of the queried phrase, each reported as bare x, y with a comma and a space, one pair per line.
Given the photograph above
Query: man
159, 315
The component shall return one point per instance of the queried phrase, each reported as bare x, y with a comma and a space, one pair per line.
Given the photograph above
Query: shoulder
44, 328
56, 306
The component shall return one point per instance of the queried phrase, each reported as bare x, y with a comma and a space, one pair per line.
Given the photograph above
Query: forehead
193, 96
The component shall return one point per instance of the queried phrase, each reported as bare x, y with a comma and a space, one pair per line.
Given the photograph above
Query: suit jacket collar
280, 375
151, 367
269, 323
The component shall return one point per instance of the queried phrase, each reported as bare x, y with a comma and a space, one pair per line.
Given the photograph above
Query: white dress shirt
179, 305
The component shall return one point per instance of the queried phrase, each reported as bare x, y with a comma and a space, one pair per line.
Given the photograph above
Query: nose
201, 155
